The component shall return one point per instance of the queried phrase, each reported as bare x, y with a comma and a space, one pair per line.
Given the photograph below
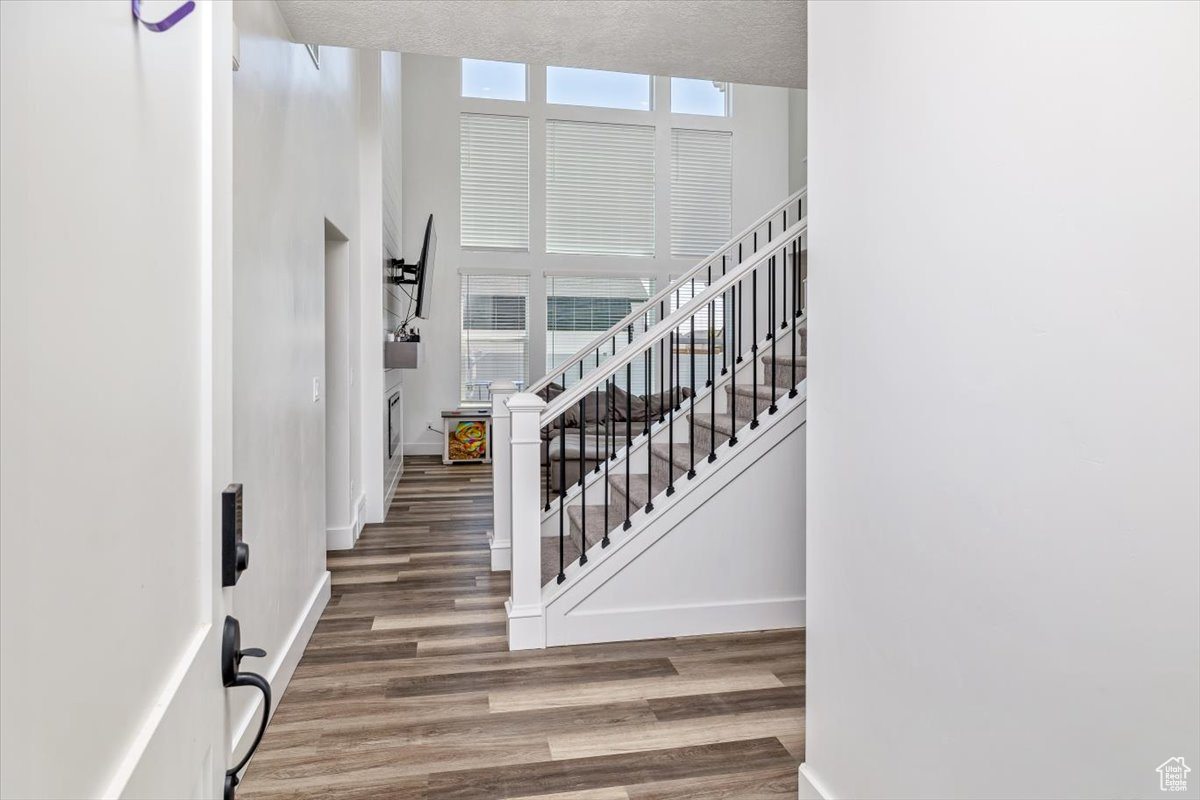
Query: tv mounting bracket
409, 275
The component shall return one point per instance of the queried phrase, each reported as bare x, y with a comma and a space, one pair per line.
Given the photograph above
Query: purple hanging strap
167, 22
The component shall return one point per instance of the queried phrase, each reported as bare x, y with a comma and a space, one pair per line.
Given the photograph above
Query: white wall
1004, 451
797, 139
294, 166
431, 185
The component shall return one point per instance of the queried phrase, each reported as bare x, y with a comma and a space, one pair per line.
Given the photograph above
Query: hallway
407, 688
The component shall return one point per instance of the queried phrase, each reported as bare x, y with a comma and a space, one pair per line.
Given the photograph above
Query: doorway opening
341, 528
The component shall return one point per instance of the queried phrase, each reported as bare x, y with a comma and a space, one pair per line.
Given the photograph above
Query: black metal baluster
613, 409
724, 327
583, 429
770, 294
675, 349
711, 377
547, 508
733, 376
795, 315
712, 394
562, 486
692, 380
582, 475
738, 340
648, 363
628, 437
754, 346
671, 418
649, 445
607, 460
662, 356
774, 383
599, 417
783, 273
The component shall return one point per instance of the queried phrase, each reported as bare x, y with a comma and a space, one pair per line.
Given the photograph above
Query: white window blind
580, 307
494, 181
701, 191
599, 188
495, 333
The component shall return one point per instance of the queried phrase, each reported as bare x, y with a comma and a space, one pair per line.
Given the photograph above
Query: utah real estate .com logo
1172, 775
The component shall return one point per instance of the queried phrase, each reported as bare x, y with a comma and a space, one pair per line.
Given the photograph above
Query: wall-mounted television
419, 274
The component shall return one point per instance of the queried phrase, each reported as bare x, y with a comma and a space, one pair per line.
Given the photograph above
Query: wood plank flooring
408, 690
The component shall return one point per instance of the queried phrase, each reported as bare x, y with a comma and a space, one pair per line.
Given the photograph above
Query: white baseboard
279, 673
360, 515
339, 538
810, 787
423, 448
344, 538
630, 624
526, 627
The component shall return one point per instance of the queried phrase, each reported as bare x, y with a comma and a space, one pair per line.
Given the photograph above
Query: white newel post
501, 449
526, 621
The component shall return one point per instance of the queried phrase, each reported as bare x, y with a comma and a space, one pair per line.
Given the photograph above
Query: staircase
680, 512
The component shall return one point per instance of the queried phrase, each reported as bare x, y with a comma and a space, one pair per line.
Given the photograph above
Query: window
497, 80
598, 88
693, 335
599, 188
495, 334
701, 191
494, 181
580, 307
710, 98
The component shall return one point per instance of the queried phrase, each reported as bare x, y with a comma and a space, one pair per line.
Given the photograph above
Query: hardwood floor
408, 690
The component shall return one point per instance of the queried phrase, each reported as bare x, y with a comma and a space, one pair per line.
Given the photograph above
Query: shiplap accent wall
395, 301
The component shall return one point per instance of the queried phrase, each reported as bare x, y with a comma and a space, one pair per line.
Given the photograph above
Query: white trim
360, 513
520, 272
526, 627
422, 449
661, 622
343, 538
810, 787
161, 709
279, 673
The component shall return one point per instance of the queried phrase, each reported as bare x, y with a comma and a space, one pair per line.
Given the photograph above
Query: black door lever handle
231, 658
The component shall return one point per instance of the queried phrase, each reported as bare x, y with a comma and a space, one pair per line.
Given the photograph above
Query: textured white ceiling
745, 41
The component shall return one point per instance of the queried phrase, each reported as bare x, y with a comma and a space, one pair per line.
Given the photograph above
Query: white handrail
665, 292
663, 327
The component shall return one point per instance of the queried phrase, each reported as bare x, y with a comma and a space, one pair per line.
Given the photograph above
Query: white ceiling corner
745, 41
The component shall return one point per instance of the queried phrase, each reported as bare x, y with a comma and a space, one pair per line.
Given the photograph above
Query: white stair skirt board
725, 553
282, 664
810, 787
345, 538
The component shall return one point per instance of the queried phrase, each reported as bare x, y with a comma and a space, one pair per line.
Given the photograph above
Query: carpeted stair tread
764, 390
782, 359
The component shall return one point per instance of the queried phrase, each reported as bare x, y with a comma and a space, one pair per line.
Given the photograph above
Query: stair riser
783, 375
595, 521
744, 403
